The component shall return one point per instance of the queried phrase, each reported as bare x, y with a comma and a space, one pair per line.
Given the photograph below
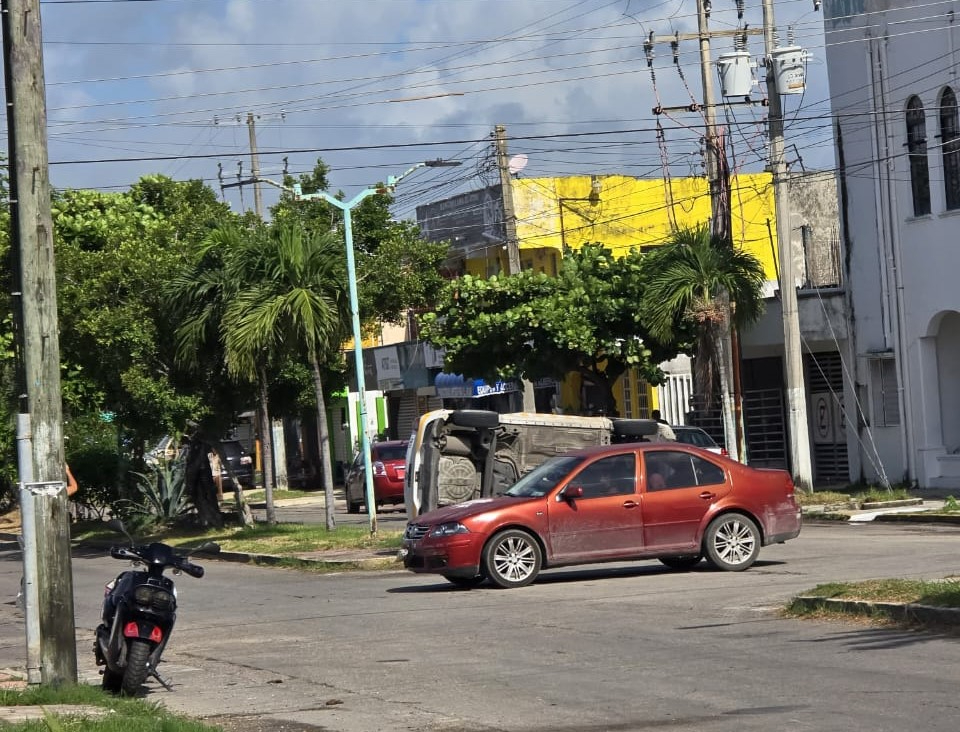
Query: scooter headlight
154, 598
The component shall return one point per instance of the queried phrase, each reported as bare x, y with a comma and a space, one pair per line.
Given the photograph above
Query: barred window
917, 154
886, 402
950, 145
627, 393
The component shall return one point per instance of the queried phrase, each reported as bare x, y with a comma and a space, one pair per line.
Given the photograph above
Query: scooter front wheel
136, 671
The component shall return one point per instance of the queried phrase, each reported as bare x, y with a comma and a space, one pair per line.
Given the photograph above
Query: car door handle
630, 504
707, 495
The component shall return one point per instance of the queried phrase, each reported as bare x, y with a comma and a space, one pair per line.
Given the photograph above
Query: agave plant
161, 492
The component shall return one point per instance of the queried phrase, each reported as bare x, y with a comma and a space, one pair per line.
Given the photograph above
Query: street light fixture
346, 207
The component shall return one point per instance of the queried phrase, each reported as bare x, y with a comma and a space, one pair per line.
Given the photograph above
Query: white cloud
320, 74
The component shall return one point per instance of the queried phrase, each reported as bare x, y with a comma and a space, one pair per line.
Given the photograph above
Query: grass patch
938, 593
123, 715
853, 494
297, 538
258, 494
285, 539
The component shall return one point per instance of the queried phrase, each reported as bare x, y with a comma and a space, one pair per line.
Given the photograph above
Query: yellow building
620, 212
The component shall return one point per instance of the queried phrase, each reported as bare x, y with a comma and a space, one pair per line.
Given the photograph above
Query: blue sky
374, 86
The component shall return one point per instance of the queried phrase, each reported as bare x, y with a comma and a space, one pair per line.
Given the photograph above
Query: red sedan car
668, 501
388, 460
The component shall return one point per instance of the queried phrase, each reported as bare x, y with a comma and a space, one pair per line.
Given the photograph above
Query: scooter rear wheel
136, 671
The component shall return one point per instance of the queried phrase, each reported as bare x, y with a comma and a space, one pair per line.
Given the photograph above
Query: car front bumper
456, 556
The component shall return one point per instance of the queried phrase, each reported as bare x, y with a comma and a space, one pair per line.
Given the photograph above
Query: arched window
917, 153
950, 143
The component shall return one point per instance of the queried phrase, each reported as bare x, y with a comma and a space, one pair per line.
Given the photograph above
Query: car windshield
545, 477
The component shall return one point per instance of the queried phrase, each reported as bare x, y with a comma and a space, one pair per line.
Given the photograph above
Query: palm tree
197, 300
295, 298
703, 282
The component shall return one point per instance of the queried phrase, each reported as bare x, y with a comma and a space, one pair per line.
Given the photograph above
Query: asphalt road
601, 648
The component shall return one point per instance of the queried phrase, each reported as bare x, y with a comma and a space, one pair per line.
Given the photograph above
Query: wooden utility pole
43, 493
510, 233
798, 427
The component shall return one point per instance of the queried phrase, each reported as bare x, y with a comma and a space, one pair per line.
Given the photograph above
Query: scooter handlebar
194, 570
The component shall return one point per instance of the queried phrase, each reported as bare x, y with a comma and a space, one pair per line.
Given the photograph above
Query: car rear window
390, 452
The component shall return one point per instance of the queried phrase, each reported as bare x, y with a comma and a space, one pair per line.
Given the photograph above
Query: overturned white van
459, 455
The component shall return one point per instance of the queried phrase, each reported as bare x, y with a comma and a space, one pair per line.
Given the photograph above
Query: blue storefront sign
455, 386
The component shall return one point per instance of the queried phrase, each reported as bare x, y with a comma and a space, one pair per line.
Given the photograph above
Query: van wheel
512, 559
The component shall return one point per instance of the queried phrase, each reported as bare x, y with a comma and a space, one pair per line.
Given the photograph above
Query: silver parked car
698, 438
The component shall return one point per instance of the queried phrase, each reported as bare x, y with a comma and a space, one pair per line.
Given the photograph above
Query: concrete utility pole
46, 527
255, 165
793, 359
510, 232
509, 215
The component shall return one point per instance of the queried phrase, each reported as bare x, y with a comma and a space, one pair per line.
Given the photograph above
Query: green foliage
101, 471
530, 324
161, 493
114, 253
698, 285
400, 273
951, 505
123, 714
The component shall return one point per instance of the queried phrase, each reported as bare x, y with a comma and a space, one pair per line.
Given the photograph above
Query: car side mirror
571, 492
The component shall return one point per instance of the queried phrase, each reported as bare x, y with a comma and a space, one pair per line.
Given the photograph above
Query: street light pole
346, 207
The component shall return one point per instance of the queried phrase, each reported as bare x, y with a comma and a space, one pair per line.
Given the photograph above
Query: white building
893, 67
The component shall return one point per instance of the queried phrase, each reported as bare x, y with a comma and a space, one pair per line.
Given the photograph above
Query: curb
912, 518
902, 612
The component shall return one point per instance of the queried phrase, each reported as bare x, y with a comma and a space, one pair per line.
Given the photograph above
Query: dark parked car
241, 464
696, 436
388, 460
666, 501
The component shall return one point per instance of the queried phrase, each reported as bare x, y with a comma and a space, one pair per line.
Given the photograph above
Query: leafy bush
101, 473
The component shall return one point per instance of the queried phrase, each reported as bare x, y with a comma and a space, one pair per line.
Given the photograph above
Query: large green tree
586, 320
397, 270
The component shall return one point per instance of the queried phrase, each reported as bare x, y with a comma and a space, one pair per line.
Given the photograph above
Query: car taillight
379, 469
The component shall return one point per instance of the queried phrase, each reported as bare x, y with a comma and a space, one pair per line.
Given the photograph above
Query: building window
886, 402
950, 143
917, 154
627, 393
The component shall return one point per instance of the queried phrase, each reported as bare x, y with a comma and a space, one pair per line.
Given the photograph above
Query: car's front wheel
512, 558
732, 542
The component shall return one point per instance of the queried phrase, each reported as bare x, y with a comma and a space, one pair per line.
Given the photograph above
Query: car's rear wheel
732, 542
512, 558
353, 506
687, 561
464, 583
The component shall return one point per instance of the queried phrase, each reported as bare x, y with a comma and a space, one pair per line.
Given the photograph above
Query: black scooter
139, 610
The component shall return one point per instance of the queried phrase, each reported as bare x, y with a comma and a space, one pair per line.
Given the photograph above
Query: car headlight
449, 529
